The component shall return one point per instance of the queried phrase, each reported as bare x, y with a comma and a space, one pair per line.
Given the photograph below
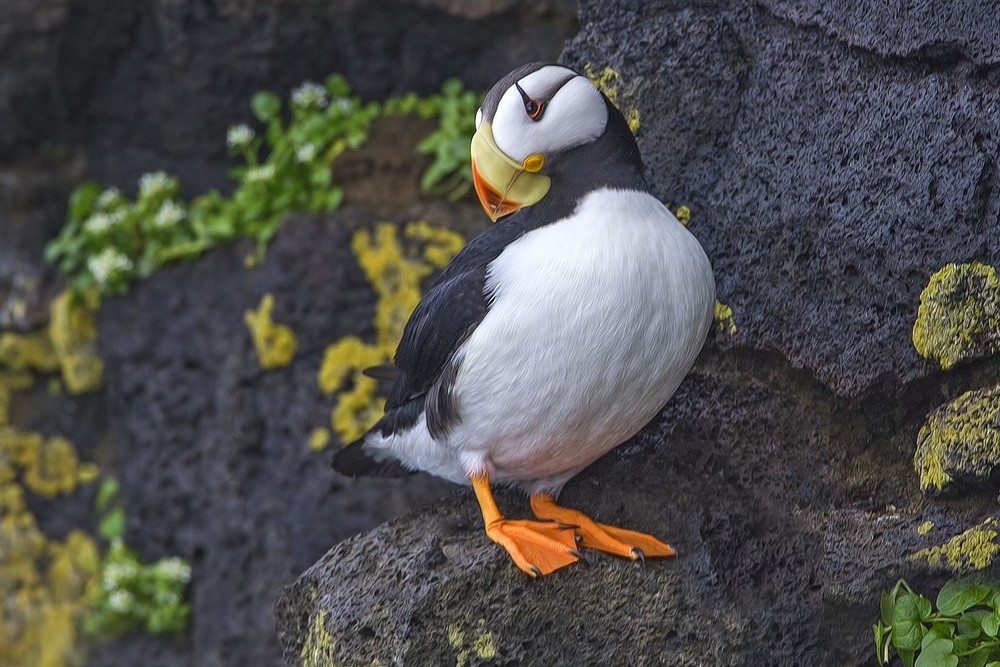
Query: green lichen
974, 549
959, 314
607, 82
724, 319
925, 527
275, 343
960, 439
394, 267
317, 651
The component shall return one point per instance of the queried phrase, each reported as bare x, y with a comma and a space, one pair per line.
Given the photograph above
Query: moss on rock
960, 441
959, 314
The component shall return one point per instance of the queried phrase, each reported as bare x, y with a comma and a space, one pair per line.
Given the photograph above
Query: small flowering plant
284, 165
130, 594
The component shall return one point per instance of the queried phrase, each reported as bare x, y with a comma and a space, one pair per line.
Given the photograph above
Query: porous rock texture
211, 449
832, 161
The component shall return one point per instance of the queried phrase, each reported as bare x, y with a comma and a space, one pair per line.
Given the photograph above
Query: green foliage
130, 594
450, 174
961, 633
110, 240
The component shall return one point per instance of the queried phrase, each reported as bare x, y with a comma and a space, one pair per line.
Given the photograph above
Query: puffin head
529, 123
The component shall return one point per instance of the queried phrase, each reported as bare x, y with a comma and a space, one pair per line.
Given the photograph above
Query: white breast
594, 322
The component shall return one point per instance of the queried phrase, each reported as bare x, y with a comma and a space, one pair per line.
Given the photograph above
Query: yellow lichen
319, 438
50, 466
43, 582
974, 549
683, 214
440, 244
959, 314
395, 270
21, 352
357, 409
724, 319
73, 333
607, 82
317, 650
481, 645
10, 382
960, 438
925, 527
343, 358
275, 343
42, 588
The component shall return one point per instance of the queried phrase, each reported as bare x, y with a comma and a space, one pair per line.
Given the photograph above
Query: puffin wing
427, 358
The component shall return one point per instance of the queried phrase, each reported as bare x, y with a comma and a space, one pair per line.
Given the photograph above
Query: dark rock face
140, 83
756, 474
212, 451
826, 182
832, 163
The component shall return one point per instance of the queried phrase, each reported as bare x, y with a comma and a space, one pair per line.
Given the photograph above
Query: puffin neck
612, 160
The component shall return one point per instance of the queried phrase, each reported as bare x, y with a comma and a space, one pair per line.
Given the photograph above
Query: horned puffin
555, 335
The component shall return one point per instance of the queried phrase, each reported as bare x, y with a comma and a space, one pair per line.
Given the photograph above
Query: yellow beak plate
503, 185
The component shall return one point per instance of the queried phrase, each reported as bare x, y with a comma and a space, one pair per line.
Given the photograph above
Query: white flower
174, 569
170, 213
260, 174
155, 183
308, 95
107, 263
116, 573
120, 601
109, 199
99, 223
305, 152
342, 103
239, 136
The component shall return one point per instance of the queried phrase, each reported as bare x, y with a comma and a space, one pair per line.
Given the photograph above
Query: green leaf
907, 630
907, 656
977, 659
970, 623
960, 594
265, 105
112, 524
991, 623
937, 653
108, 490
81, 201
879, 631
337, 86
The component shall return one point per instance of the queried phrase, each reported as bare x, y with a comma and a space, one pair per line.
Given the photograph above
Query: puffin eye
532, 107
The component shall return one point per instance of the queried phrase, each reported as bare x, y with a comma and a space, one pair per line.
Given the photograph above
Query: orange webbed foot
600, 536
537, 547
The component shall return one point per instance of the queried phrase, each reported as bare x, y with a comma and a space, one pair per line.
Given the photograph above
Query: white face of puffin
540, 115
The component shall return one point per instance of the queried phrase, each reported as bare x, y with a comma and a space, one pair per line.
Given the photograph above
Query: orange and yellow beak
502, 184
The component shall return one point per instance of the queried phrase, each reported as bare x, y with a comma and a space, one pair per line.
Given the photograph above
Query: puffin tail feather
354, 460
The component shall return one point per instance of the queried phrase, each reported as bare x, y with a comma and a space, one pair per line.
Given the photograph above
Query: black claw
535, 572
638, 555
577, 553
567, 525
